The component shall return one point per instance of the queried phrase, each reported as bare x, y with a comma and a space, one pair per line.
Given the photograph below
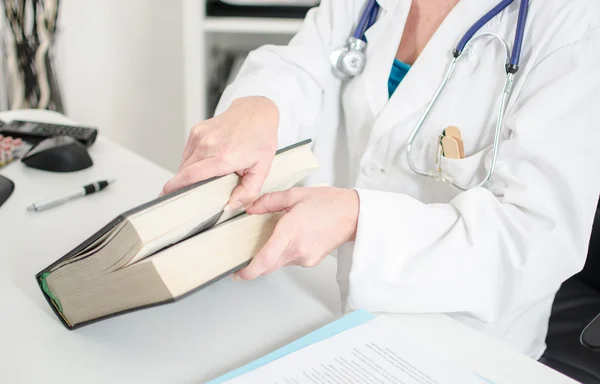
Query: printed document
377, 352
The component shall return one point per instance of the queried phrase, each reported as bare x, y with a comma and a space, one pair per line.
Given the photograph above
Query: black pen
83, 191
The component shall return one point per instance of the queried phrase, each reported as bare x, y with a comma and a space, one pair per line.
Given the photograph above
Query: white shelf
201, 33
251, 25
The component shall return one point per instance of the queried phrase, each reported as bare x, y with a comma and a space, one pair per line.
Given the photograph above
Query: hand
316, 222
242, 139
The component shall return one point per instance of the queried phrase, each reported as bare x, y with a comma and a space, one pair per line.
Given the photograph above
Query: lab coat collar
429, 68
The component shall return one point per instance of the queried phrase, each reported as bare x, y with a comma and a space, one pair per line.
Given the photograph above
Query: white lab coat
491, 257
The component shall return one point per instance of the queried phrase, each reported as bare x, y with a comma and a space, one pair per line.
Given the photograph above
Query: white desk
191, 341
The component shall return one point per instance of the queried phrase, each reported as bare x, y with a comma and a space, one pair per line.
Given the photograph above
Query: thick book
167, 248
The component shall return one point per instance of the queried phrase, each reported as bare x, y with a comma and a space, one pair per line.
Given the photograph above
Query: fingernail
235, 277
232, 207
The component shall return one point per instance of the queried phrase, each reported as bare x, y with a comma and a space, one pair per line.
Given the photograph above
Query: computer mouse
58, 154
6, 189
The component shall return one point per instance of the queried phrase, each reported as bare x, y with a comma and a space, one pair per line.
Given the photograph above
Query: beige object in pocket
453, 132
461, 147
451, 148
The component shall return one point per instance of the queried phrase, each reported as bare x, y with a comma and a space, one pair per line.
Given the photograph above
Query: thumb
276, 201
248, 190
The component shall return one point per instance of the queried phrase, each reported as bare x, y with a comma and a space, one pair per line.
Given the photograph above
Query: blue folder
343, 324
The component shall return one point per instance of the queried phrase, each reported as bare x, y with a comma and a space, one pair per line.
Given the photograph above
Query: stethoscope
350, 60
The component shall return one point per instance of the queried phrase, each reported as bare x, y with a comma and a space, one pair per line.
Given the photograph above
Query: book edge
147, 306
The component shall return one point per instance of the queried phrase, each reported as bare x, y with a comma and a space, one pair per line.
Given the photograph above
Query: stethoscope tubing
368, 18
371, 11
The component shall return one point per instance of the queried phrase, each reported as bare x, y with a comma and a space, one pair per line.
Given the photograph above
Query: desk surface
203, 336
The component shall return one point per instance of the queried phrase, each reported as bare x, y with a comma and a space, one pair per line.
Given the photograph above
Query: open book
166, 248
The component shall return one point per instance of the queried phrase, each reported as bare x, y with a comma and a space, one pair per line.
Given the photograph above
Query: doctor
492, 255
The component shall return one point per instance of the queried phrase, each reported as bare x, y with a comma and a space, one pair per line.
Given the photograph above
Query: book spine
51, 299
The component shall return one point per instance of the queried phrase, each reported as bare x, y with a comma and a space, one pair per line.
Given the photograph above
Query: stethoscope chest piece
350, 60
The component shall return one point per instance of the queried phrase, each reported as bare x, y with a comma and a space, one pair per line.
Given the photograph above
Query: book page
377, 352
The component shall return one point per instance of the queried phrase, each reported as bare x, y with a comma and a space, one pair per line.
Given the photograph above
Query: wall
120, 64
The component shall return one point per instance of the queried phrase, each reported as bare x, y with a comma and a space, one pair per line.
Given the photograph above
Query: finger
197, 155
190, 148
284, 260
248, 190
202, 170
187, 152
276, 201
266, 258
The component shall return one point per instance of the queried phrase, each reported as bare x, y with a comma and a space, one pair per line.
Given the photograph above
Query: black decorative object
30, 37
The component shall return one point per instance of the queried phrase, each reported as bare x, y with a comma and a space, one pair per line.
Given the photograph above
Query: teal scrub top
399, 70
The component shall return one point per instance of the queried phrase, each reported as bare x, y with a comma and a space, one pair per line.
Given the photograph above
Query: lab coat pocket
468, 171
